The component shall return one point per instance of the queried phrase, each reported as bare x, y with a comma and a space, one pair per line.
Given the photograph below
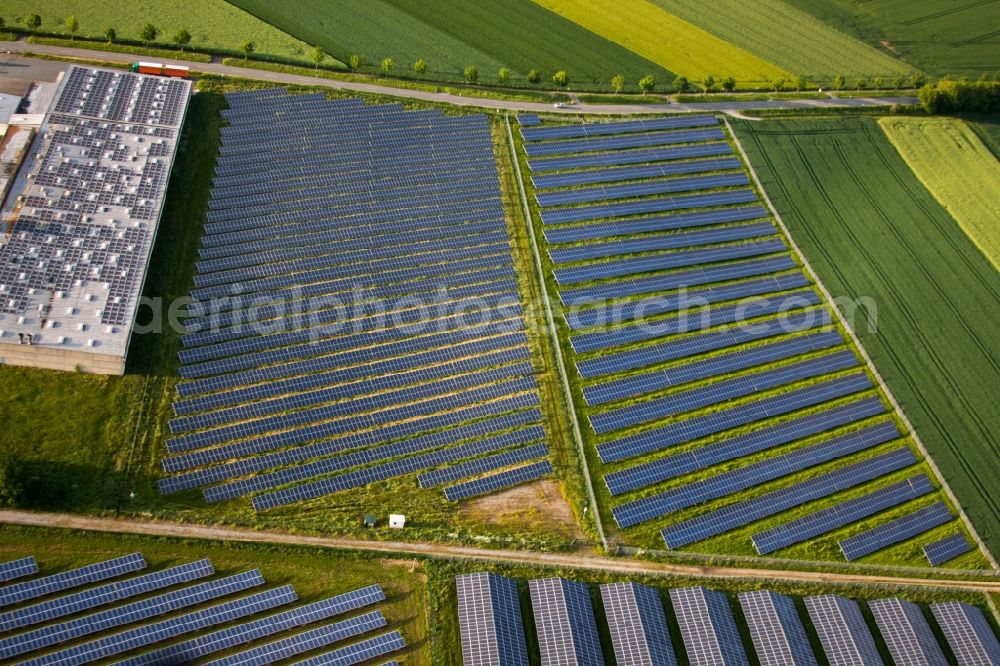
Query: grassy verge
745, 97
832, 112
315, 574
872, 231
147, 52
623, 99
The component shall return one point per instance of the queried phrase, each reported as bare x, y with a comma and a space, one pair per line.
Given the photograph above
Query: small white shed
397, 521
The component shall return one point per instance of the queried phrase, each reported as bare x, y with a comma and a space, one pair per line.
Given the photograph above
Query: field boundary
912, 432
550, 322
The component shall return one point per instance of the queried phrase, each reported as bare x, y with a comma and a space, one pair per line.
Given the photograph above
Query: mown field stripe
667, 40
958, 169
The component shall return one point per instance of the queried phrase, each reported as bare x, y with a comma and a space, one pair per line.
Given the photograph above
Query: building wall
61, 359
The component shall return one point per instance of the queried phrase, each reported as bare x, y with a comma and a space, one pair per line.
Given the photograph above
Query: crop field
955, 38
449, 36
314, 574
987, 128
791, 39
958, 169
873, 232
678, 358
212, 23
669, 41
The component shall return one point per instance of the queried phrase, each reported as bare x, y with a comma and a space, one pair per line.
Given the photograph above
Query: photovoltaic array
639, 624
170, 616
710, 365
357, 316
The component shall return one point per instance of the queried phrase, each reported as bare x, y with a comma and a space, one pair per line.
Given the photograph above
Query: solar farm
115, 610
650, 626
356, 316
720, 393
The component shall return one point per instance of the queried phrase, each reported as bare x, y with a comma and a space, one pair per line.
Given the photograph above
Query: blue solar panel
690, 429
372, 472
841, 514
359, 652
776, 629
637, 624
669, 467
140, 610
564, 622
678, 259
727, 483
494, 482
647, 206
660, 242
628, 157
103, 594
25, 566
577, 299
573, 234
18, 592
189, 651
528, 120
110, 645
719, 392
948, 548
481, 465
618, 127
591, 145
769, 504
700, 343
634, 385
584, 195
895, 531
619, 174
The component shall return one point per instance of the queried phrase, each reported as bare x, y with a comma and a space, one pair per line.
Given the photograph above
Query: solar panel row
646, 206
948, 548
900, 529
727, 483
585, 232
598, 144
841, 514
582, 195
499, 481
25, 566
769, 504
92, 573
731, 448
619, 174
628, 157
550, 132
481, 465
659, 438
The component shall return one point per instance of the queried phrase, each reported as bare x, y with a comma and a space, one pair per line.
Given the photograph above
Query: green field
871, 230
789, 38
643, 27
315, 574
958, 169
214, 24
449, 36
957, 38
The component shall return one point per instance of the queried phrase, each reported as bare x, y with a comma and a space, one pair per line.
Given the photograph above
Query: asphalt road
43, 70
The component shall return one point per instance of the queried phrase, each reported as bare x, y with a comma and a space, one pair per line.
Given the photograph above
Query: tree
420, 68
878, 82
778, 84
318, 56
503, 76
471, 74
708, 83
918, 80
729, 84
354, 61
387, 66
247, 48
148, 33
534, 76
618, 83
11, 480
110, 34
898, 82
861, 84
560, 78
33, 21
681, 84
72, 25
799, 82
182, 38
647, 83
839, 82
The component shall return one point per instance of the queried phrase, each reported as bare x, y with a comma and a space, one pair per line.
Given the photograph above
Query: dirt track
568, 560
